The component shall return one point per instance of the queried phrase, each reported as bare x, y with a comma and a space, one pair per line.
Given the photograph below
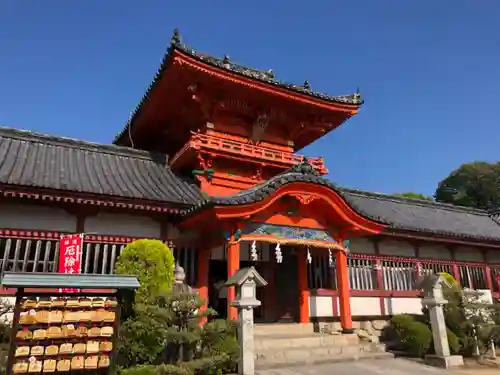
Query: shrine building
210, 163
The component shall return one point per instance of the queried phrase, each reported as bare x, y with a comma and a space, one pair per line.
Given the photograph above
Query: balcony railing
209, 142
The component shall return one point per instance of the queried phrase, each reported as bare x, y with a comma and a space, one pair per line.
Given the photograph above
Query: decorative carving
206, 170
176, 38
258, 175
204, 161
304, 198
259, 127
304, 168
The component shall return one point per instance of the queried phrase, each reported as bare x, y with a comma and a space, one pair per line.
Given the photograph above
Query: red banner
70, 256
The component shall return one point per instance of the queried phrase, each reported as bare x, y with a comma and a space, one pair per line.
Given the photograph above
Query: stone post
245, 282
434, 300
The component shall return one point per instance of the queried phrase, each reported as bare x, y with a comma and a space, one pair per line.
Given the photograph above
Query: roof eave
450, 238
177, 45
79, 198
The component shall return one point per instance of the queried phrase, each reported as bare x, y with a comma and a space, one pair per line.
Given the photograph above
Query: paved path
376, 367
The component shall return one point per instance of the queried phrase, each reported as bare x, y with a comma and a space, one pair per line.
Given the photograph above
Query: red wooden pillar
343, 290
203, 281
303, 286
233, 265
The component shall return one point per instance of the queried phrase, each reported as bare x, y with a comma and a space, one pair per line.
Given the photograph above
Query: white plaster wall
361, 246
434, 251
365, 306
36, 217
396, 248
468, 254
399, 305
320, 306
122, 225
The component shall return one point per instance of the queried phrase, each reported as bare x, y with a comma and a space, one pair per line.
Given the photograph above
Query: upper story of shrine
230, 126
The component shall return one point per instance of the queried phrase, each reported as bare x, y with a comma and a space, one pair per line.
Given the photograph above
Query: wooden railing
38, 251
372, 275
202, 141
369, 275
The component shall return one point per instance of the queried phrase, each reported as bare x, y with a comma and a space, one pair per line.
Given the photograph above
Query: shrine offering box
66, 323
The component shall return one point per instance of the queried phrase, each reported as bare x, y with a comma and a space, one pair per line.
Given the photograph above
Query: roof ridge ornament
304, 168
226, 62
176, 38
357, 96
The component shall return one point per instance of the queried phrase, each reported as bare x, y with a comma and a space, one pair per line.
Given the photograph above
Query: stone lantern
434, 300
245, 281
180, 276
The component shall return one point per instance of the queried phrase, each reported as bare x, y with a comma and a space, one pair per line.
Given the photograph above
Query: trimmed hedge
153, 264
414, 337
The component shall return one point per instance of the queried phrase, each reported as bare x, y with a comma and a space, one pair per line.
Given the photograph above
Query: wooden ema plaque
63, 334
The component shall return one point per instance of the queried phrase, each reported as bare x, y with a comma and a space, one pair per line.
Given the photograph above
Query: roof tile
37, 160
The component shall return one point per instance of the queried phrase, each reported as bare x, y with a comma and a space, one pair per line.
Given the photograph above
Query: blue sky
429, 72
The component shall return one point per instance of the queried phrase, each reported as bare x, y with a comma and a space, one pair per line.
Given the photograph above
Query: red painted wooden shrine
234, 132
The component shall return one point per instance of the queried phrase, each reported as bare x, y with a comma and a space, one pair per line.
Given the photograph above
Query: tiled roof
224, 63
423, 216
43, 161
47, 162
396, 212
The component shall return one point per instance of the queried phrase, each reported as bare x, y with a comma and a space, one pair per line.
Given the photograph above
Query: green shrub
165, 319
156, 370
153, 264
453, 342
220, 344
139, 370
417, 339
399, 323
414, 337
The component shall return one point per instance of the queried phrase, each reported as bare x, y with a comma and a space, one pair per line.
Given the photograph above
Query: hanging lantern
254, 256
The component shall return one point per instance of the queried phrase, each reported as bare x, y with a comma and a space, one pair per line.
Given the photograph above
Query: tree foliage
413, 195
153, 264
164, 336
474, 185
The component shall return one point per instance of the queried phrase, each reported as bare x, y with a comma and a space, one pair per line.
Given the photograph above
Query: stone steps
289, 329
297, 356
277, 342
279, 345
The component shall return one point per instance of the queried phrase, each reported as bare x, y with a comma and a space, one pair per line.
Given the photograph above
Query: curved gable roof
396, 212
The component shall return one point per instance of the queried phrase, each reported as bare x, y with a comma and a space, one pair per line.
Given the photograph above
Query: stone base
444, 362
